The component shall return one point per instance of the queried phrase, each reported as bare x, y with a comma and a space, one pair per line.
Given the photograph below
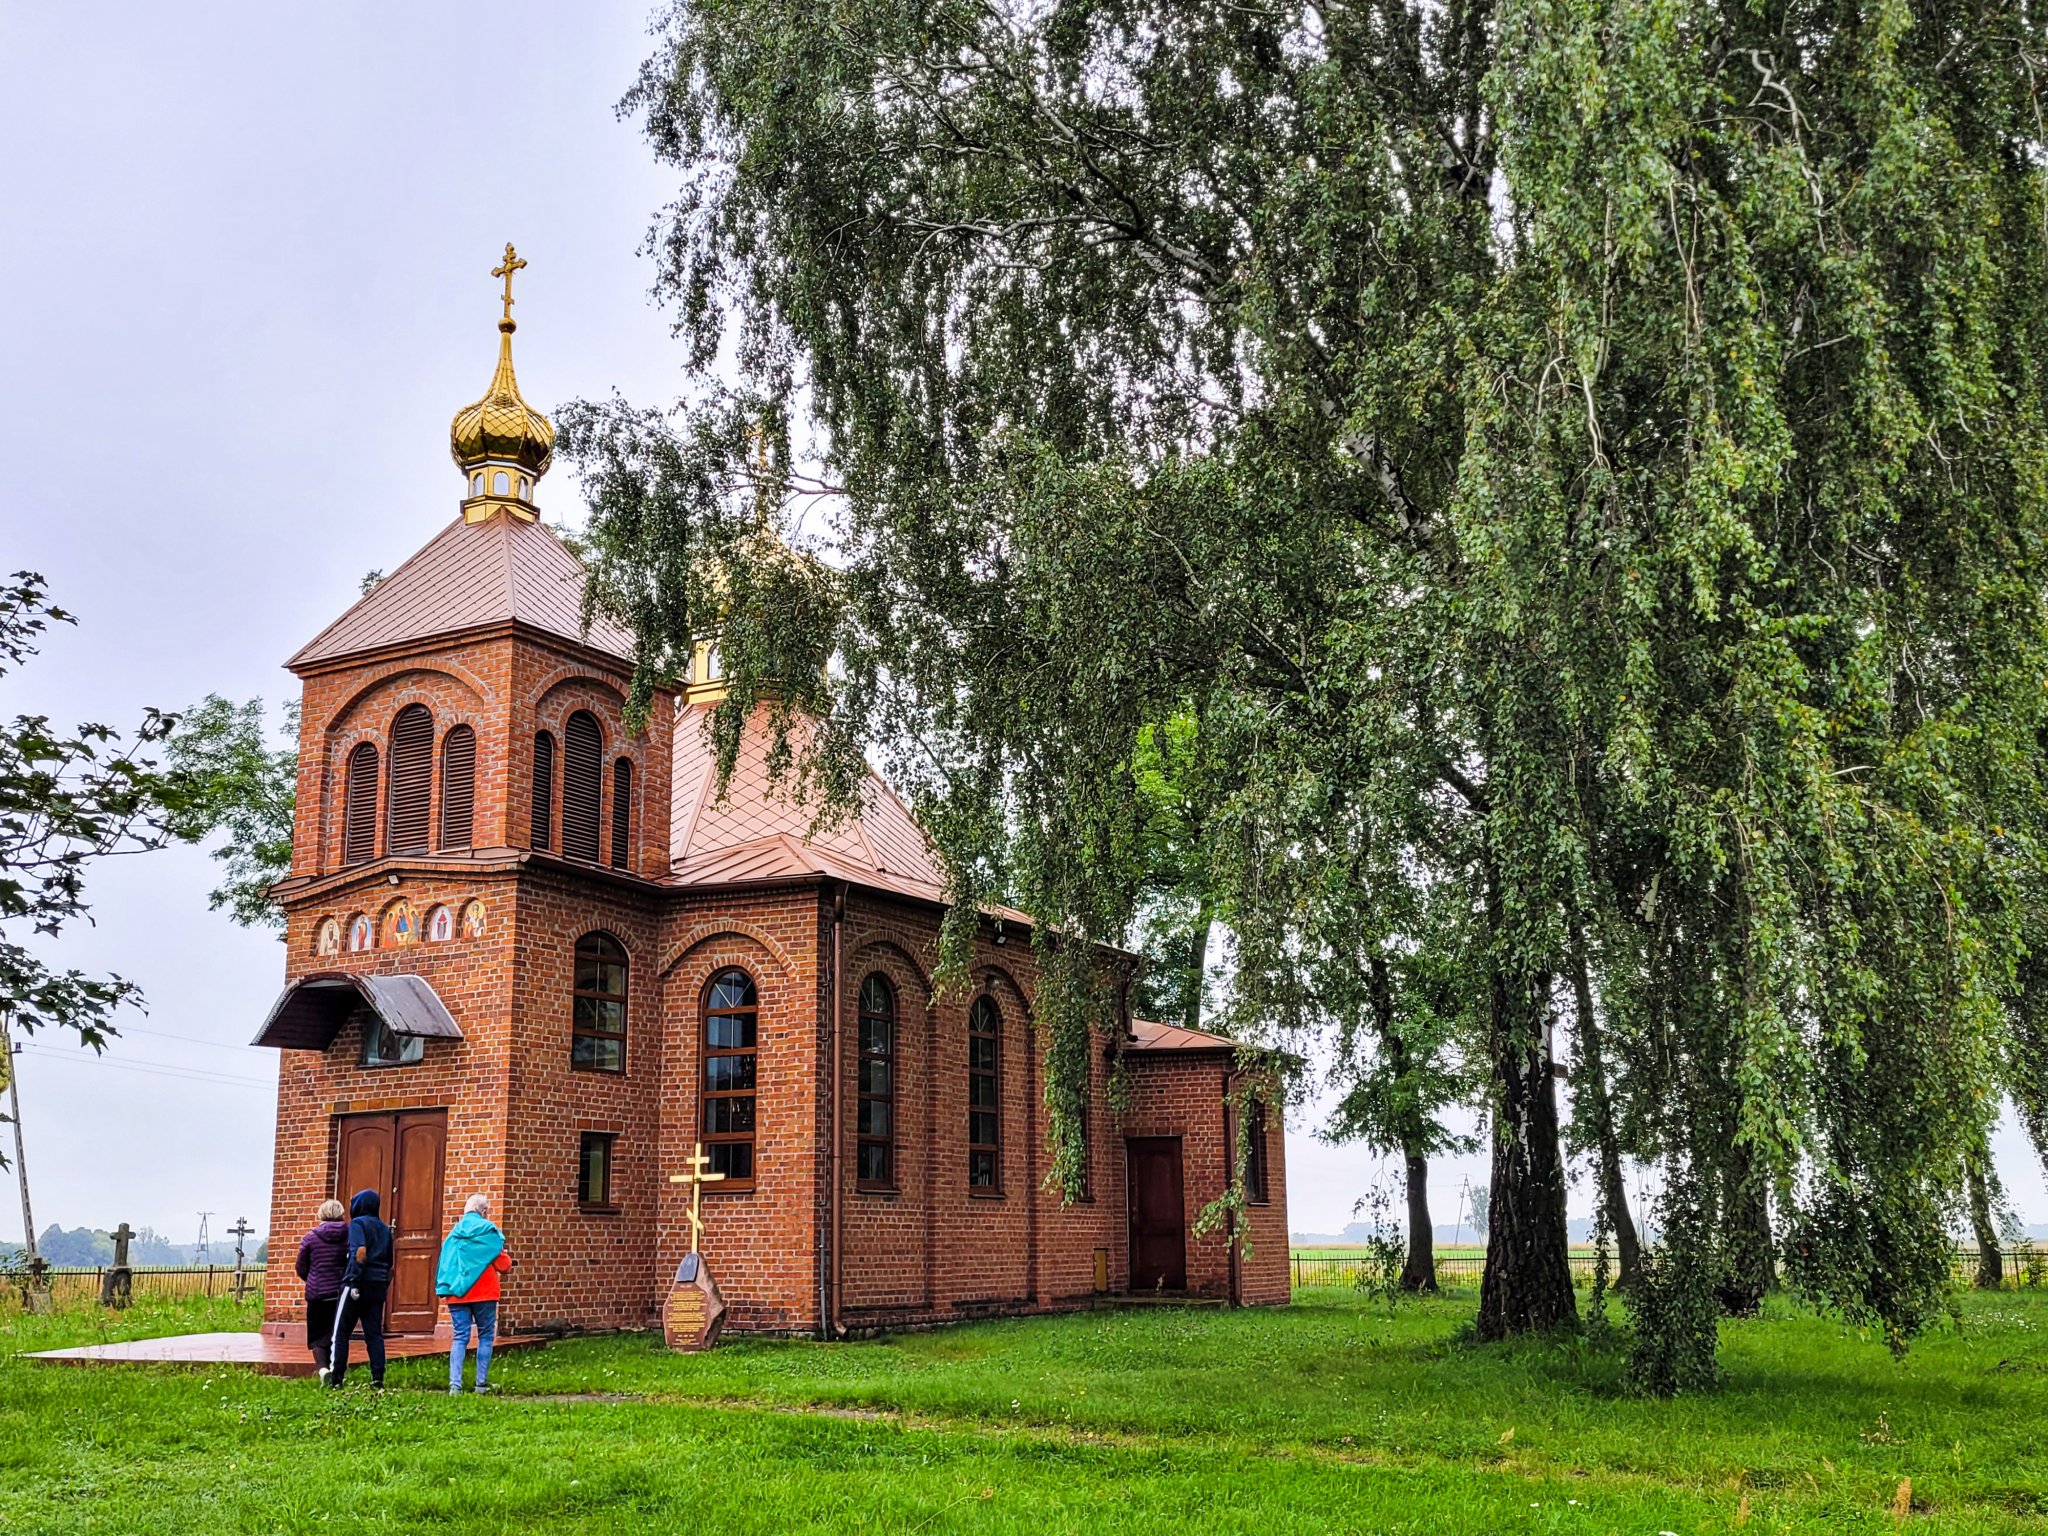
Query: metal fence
83, 1285
2026, 1265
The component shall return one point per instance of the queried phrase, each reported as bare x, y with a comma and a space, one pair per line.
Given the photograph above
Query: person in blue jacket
472, 1259
365, 1281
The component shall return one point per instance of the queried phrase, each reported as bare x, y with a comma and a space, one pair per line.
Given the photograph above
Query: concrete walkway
269, 1354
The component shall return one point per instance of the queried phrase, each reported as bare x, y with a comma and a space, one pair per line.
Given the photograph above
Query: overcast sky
244, 283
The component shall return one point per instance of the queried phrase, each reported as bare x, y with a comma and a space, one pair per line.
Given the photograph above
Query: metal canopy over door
401, 1156
1159, 1236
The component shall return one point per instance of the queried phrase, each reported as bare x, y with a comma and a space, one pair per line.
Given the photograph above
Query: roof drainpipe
1230, 1175
833, 1327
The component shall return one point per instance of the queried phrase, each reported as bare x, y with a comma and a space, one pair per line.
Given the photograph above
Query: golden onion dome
502, 443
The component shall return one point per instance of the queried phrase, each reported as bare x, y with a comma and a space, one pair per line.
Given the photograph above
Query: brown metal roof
471, 575
755, 832
1146, 1035
312, 1010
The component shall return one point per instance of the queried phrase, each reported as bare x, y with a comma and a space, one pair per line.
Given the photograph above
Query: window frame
887, 1058
412, 1049
457, 733
409, 784
578, 994
706, 1094
540, 827
609, 1205
364, 767
1258, 1189
985, 1007
583, 736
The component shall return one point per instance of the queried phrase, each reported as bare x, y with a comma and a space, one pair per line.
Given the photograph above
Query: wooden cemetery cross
241, 1229
117, 1288
695, 1311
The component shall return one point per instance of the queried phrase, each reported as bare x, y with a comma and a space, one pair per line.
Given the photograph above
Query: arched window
622, 814
359, 820
582, 784
412, 778
731, 1019
599, 1044
875, 1120
984, 1095
543, 790
458, 786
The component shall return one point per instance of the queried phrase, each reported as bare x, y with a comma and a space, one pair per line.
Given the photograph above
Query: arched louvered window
543, 790
458, 787
359, 819
875, 1119
622, 814
412, 778
984, 1095
582, 785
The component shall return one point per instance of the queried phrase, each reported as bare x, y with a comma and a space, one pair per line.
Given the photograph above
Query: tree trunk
1593, 1083
1748, 1267
1196, 977
1419, 1272
1528, 1283
1990, 1260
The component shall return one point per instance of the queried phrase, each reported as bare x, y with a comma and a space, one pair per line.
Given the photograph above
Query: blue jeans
485, 1315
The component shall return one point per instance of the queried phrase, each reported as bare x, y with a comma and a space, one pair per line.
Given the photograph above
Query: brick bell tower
478, 840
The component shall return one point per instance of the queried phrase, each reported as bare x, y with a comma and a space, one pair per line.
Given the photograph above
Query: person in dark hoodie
323, 1255
364, 1282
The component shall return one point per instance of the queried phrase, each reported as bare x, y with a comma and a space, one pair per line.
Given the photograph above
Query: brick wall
928, 1249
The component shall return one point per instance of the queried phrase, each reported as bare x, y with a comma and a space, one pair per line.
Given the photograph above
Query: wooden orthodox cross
696, 1307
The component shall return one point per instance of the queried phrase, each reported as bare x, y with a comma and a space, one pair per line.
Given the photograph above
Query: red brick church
533, 955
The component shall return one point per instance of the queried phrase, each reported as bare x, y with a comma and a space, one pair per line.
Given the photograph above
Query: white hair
477, 1205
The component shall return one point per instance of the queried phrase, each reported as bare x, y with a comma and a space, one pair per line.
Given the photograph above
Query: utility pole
202, 1251
28, 1220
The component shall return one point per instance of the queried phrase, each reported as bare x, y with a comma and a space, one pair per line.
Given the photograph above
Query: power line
164, 1034
160, 1069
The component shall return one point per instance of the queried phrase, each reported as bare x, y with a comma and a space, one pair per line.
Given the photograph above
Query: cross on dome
513, 262
502, 444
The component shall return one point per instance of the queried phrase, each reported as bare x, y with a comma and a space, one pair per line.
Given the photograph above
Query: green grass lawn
1333, 1415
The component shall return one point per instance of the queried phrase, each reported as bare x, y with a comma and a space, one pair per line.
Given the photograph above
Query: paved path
269, 1354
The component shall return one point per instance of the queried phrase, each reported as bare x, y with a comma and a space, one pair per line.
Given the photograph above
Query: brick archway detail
563, 678
991, 974
478, 688
697, 938
857, 962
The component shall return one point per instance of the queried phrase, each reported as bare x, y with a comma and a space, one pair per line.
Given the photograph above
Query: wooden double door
1158, 1207
402, 1157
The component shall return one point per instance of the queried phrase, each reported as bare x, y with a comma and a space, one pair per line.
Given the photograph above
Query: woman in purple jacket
323, 1254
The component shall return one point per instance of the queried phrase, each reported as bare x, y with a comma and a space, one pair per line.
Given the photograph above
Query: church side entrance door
401, 1156
1159, 1238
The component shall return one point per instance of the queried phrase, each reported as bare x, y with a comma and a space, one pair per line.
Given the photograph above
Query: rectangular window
731, 1042
384, 1046
1255, 1154
594, 1171
984, 1097
1085, 1179
598, 1037
875, 1114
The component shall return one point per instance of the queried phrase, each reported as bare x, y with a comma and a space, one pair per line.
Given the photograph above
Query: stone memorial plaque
695, 1310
